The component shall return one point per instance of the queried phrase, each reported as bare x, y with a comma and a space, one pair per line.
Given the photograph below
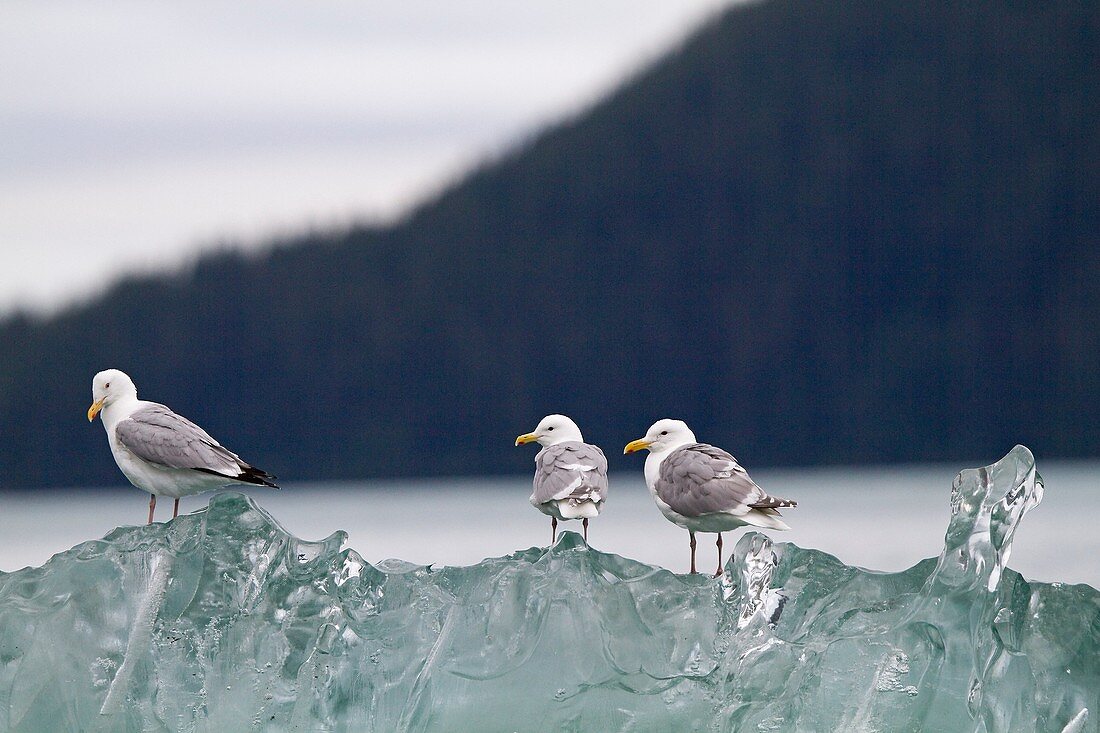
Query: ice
222, 621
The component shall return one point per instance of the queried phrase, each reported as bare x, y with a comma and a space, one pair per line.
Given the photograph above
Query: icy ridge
222, 621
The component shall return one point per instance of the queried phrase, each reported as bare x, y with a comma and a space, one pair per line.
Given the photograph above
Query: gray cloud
132, 134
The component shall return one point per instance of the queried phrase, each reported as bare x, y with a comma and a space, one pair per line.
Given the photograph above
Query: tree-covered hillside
829, 231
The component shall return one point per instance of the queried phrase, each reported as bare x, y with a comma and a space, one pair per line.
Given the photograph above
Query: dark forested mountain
820, 232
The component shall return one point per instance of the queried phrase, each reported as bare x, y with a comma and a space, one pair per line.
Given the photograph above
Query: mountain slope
819, 232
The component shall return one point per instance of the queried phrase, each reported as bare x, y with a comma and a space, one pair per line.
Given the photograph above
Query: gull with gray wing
570, 475
162, 452
703, 488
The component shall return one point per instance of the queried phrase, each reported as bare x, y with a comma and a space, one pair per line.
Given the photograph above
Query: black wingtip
258, 476
773, 502
249, 475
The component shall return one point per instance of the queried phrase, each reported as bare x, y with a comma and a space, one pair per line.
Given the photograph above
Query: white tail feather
757, 518
583, 510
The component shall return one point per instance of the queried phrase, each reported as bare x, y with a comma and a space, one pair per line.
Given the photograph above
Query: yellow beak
526, 438
635, 445
94, 409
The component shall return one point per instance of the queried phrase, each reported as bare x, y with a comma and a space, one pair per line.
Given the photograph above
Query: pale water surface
879, 518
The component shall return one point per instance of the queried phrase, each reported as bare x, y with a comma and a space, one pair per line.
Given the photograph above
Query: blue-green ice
221, 621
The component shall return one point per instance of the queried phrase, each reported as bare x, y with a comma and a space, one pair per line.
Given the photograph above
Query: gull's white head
109, 387
662, 436
552, 429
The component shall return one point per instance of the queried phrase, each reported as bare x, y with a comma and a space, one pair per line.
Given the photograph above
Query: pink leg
176, 513
718, 572
692, 543
584, 523
553, 530
152, 506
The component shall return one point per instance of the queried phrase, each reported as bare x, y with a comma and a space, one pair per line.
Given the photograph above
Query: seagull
570, 475
162, 452
702, 488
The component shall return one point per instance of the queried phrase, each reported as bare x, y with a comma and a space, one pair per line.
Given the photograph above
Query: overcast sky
133, 134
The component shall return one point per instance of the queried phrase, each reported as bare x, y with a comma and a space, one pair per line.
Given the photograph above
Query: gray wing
158, 435
700, 479
570, 470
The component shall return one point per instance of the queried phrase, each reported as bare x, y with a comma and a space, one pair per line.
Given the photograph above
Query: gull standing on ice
702, 488
570, 475
160, 451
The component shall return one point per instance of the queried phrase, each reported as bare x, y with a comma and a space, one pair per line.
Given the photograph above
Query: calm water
879, 518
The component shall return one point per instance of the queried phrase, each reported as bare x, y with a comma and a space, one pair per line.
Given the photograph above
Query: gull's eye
550, 428
107, 386
664, 432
